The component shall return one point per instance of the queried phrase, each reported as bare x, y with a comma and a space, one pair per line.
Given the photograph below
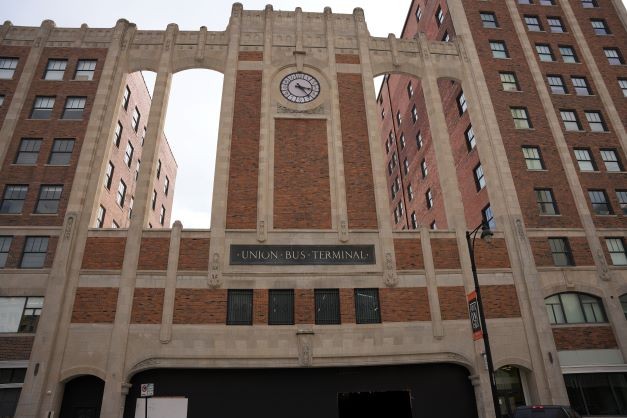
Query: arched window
574, 308
623, 302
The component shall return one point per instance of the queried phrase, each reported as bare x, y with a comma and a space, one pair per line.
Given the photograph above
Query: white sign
147, 389
161, 408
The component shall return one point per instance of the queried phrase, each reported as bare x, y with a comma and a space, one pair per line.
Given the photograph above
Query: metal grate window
281, 307
239, 307
367, 306
327, 306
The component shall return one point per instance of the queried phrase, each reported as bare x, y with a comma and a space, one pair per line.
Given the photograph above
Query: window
402, 141
439, 16
153, 200
556, 25
595, 121
470, 138
162, 215
42, 108
584, 159
166, 185
281, 307
600, 27
547, 2
488, 19
479, 177
574, 308
406, 166
121, 195
410, 90
419, 140
327, 306
544, 52
136, 117
137, 167
556, 83
13, 200
143, 136
418, 13
622, 83
130, 207
410, 193
613, 56
49, 197
446, 37
100, 217
367, 306
34, 255
588, 4
429, 199
560, 250
423, 168
117, 136
128, 154
488, 217
55, 69
399, 208
525, 1
382, 113
571, 122
533, 23
158, 168
568, 54
623, 302
546, 204
414, 114
462, 106
1, 99
521, 117
28, 151
593, 394
533, 158
61, 153
610, 158
239, 310
7, 67
114, 224
600, 204
85, 70
616, 248
621, 196
396, 186
5, 245
499, 49
581, 86
126, 97
433, 225
414, 221
509, 81
19, 314
74, 107
109, 175
399, 119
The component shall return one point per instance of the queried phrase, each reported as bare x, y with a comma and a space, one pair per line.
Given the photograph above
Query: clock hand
302, 87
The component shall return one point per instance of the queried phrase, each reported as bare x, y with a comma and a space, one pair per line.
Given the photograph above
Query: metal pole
146, 405
484, 328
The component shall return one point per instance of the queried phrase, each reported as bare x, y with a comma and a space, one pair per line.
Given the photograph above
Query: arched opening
82, 397
510, 389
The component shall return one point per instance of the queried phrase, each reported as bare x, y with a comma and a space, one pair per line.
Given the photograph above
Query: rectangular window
115, 225
568, 54
556, 25
136, 118
126, 97
130, 207
600, 204
571, 122
429, 199
410, 193
143, 136
470, 138
42, 108
367, 306
410, 90
19, 314
34, 254
488, 19
560, 250
13, 199
584, 159
611, 160
137, 167
153, 200
406, 166
281, 307
621, 196
418, 13
1, 99
545, 201
521, 117
581, 86
166, 185
5, 245
109, 175
100, 217
622, 84
613, 56
158, 168
595, 121
121, 195
547, 2
479, 177
49, 197
556, 83
533, 24
499, 49
117, 136
446, 37
28, 151
509, 81
128, 154
327, 306
525, 1
616, 248
599, 26
423, 168
399, 118
61, 152
162, 215
533, 158
418, 140
433, 225
402, 141
544, 52
7, 67
239, 309
85, 70
55, 69
589, 4
439, 16
414, 114
488, 217
74, 107
414, 221
462, 106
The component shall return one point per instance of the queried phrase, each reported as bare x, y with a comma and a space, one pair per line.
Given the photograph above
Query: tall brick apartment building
306, 298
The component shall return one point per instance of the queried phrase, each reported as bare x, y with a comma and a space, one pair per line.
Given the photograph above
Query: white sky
194, 106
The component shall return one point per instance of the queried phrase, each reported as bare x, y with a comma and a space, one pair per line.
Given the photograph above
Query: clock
300, 87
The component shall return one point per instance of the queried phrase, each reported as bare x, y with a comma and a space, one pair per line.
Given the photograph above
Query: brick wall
304, 309
147, 306
491, 255
453, 302
104, 253
578, 245
302, 195
7, 87
200, 306
500, 301
347, 59
347, 306
584, 338
16, 348
153, 254
194, 254
14, 258
95, 305
445, 253
404, 304
260, 307
408, 254
250, 56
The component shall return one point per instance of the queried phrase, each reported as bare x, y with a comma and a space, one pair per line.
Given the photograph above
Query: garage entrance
374, 404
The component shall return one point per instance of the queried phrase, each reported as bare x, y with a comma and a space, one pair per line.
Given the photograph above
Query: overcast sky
194, 107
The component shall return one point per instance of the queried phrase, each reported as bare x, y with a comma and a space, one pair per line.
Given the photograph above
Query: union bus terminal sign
278, 255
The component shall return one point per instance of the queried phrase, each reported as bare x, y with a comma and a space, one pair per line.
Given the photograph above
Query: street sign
147, 390
475, 321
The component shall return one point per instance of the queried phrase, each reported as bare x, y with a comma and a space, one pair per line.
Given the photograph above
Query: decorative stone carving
320, 110
343, 230
604, 271
390, 277
69, 224
214, 275
261, 231
305, 347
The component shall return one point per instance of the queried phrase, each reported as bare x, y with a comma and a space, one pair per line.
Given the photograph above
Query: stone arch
142, 63
77, 371
214, 63
406, 69
578, 288
518, 362
84, 392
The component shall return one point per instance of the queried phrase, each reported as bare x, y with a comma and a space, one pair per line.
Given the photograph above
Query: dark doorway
82, 398
395, 404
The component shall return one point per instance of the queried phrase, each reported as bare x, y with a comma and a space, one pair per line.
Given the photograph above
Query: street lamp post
486, 234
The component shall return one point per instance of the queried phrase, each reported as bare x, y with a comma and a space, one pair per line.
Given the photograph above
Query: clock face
300, 87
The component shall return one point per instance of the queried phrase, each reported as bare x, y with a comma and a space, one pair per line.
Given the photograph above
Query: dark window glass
5, 245
61, 153
7, 67
13, 199
74, 107
560, 250
546, 203
327, 306
49, 197
600, 204
574, 308
85, 70
281, 307
42, 108
488, 19
28, 151
55, 69
597, 393
34, 255
367, 306
239, 307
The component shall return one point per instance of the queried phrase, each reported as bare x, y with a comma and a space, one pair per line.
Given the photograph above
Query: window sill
581, 325
609, 215
536, 170
44, 214
546, 215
